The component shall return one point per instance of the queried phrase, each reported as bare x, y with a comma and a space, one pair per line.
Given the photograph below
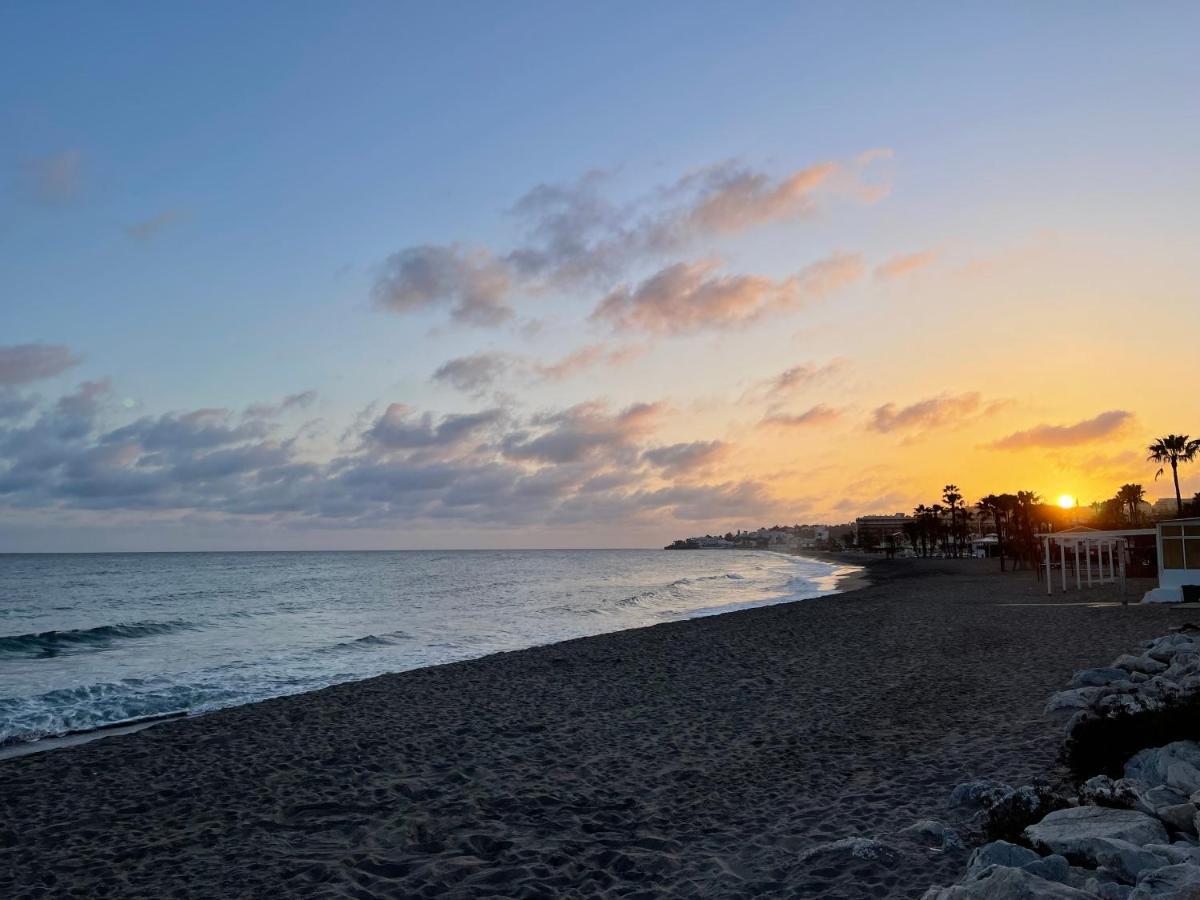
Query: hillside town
951, 528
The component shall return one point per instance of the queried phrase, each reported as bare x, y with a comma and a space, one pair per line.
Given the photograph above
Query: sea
89, 641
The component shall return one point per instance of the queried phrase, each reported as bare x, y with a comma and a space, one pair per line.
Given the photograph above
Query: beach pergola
1098, 557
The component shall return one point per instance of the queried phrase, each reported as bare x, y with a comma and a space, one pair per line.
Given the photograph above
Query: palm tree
952, 495
1173, 449
997, 507
1132, 495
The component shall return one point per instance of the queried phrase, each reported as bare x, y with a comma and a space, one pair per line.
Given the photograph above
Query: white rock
1067, 831
932, 833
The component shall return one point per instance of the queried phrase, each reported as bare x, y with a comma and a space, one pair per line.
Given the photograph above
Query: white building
1178, 561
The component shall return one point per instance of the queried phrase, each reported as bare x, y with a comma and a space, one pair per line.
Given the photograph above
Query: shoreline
711, 756
844, 581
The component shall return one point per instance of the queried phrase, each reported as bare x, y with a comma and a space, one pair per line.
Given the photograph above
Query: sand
697, 758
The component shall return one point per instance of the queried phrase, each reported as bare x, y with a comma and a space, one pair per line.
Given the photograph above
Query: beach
712, 757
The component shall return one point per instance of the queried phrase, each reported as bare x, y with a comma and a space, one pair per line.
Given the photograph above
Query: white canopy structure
1098, 557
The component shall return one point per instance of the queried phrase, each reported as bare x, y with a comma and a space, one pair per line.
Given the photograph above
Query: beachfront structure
1178, 561
876, 529
1165, 507
1092, 556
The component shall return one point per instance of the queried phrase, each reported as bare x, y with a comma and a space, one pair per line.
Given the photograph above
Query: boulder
1068, 831
1110, 890
1177, 882
1147, 665
1153, 766
1180, 816
999, 853
856, 847
1065, 704
1004, 883
1099, 677
1178, 852
1125, 860
931, 833
1052, 868
976, 795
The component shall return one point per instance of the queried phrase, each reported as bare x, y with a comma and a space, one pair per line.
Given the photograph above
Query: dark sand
697, 758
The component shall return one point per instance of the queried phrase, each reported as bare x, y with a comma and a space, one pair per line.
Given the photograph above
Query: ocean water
92, 640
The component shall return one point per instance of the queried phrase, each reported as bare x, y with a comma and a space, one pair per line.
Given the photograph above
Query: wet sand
698, 758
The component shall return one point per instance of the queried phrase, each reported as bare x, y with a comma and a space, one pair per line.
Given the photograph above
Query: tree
1172, 450
994, 507
952, 495
1132, 495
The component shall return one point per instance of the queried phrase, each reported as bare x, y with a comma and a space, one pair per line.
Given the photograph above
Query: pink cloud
899, 266
687, 297
1081, 432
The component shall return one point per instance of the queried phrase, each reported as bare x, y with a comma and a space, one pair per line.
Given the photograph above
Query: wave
55, 643
372, 640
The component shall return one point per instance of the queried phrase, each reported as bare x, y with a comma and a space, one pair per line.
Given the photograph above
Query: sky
391, 275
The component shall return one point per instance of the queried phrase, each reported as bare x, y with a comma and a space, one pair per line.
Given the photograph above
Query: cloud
473, 374
399, 428
676, 460
301, 400
584, 431
55, 179
733, 199
150, 228
688, 297
899, 266
816, 415
572, 236
471, 282
585, 464
1083, 432
934, 412
25, 363
588, 357
791, 382
477, 373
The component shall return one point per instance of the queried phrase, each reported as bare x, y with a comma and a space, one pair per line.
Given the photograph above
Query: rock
1098, 677
1124, 859
1066, 703
1178, 852
932, 833
1052, 868
1152, 767
977, 795
857, 847
1180, 816
1144, 664
999, 853
1004, 883
1110, 890
1068, 830
1177, 882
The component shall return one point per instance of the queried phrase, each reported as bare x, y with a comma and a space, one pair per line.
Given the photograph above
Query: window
1191, 554
1172, 553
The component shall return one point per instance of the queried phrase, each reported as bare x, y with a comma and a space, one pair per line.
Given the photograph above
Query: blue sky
198, 200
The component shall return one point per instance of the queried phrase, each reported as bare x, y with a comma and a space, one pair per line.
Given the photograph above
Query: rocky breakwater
1130, 830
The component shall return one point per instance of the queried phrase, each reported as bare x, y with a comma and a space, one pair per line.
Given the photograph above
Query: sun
1066, 501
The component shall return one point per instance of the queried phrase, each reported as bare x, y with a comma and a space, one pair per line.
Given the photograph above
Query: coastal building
1165, 508
875, 530
1178, 562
